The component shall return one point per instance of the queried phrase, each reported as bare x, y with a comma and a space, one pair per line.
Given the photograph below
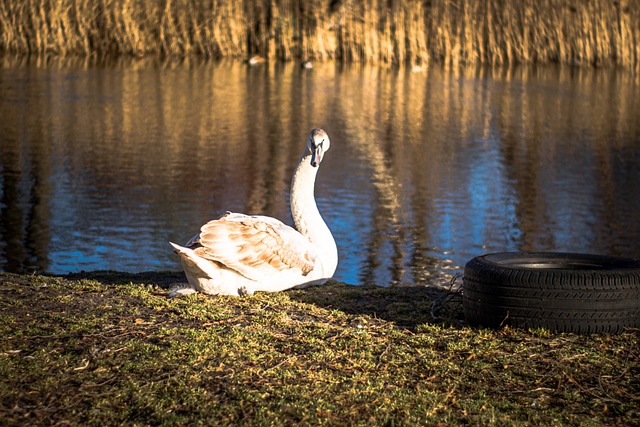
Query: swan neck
306, 216
303, 203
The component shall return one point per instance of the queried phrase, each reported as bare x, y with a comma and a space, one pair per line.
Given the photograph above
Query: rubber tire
562, 292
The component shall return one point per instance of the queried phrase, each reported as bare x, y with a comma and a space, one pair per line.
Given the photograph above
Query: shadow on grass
407, 307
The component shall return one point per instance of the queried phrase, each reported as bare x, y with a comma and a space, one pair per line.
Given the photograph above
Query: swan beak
316, 156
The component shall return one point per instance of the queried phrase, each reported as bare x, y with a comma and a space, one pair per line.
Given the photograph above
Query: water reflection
101, 165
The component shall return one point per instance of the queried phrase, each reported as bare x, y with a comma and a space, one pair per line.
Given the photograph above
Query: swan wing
254, 246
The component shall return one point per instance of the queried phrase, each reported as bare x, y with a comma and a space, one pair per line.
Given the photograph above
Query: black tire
562, 292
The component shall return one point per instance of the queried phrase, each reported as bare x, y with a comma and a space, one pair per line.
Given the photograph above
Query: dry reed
388, 31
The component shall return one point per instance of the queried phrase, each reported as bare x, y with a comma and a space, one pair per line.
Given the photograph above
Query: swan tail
206, 275
193, 263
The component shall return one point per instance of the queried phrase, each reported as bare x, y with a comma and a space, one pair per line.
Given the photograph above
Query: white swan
241, 254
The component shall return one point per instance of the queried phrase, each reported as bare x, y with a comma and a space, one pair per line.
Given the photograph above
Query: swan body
240, 254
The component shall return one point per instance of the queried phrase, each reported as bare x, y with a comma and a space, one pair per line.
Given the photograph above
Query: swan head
318, 143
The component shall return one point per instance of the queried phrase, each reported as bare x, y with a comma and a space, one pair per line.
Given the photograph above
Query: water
102, 165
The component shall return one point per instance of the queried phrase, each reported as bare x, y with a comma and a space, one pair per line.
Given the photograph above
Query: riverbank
596, 32
110, 348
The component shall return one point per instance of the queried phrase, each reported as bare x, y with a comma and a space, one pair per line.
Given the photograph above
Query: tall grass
391, 31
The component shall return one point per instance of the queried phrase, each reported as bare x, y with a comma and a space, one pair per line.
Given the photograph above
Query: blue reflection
101, 166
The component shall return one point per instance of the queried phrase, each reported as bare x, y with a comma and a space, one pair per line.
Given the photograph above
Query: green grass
111, 348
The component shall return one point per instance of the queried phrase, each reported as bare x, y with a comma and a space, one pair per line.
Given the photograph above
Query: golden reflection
456, 160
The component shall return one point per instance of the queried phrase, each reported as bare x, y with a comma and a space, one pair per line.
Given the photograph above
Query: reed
593, 32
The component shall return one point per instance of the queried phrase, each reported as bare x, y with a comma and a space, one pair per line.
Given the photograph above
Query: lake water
102, 164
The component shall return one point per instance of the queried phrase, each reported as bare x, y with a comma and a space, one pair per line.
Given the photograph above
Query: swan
255, 60
240, 254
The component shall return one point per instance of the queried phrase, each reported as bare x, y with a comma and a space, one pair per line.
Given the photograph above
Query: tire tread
562, 300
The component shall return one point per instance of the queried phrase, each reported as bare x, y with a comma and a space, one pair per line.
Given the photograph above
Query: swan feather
255, 246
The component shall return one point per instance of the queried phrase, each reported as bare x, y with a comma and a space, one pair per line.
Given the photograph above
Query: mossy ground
111, 348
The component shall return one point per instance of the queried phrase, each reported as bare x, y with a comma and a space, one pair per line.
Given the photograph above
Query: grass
110, 348
395, 31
